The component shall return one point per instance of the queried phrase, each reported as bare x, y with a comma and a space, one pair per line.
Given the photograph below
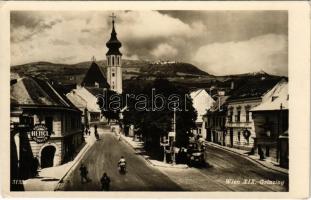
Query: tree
156, 123
109, 105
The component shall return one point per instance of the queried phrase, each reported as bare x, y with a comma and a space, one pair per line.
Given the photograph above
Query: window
72, 125
238, 116
112, 74
49, 124
113, 61
230, 116
247, 115
26, 120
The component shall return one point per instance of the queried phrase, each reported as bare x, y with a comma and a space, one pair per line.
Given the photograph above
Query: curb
147, 159
247, 157
75, 161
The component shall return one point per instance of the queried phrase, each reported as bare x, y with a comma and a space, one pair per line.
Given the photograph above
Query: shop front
45, 128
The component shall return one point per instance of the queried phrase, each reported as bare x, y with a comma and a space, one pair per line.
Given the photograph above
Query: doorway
231, 137
47, 156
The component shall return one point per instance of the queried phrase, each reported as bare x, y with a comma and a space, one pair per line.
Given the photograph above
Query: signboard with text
40, 133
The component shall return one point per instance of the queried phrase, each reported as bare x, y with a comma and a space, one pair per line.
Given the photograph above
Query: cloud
76, 36
267, 52
164, 51
25, 26
152, 24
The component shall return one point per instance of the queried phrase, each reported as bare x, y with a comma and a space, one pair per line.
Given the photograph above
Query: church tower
114, 70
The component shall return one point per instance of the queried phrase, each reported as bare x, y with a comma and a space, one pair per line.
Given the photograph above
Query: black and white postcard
149, 97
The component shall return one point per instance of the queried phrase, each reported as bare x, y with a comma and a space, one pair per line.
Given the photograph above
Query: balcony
239, 124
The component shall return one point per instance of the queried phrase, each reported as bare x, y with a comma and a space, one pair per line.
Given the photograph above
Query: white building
240, 125
202, 102
271, 124
83, 99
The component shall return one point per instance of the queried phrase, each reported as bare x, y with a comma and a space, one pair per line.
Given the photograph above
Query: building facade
239, 124
271, 125
35, 103
114, 61
214, 121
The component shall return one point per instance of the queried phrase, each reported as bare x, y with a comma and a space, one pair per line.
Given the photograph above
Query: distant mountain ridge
185, 74
131, 69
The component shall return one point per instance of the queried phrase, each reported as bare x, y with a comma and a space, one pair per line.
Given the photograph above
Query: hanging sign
40, 133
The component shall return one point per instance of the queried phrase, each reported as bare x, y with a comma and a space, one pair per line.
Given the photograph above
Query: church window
112, 60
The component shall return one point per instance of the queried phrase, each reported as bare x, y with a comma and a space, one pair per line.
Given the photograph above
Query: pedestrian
95, 132
83, 173
105, 181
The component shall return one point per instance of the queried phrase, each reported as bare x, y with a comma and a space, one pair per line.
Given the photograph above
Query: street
226, 165
226, 172
104, 156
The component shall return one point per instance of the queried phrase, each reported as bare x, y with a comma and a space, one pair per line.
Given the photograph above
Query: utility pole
173, 142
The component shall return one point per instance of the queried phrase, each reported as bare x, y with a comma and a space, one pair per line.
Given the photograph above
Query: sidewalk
255, 159
138, 147
48, 178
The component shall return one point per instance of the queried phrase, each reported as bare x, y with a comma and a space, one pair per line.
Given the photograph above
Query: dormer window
96, 84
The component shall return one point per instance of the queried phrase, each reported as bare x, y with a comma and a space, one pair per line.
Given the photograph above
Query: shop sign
40, 133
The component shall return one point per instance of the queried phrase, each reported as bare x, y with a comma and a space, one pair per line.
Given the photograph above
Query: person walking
105, 181
83, 174
95, 132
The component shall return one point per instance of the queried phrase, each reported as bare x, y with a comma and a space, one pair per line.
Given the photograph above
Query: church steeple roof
113, 44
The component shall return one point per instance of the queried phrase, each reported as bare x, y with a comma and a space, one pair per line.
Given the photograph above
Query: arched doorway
47, 156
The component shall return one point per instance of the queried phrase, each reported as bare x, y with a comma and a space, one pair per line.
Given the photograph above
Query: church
95, 82
95, 76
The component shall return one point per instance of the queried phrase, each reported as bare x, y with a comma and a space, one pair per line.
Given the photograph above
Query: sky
218, 42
